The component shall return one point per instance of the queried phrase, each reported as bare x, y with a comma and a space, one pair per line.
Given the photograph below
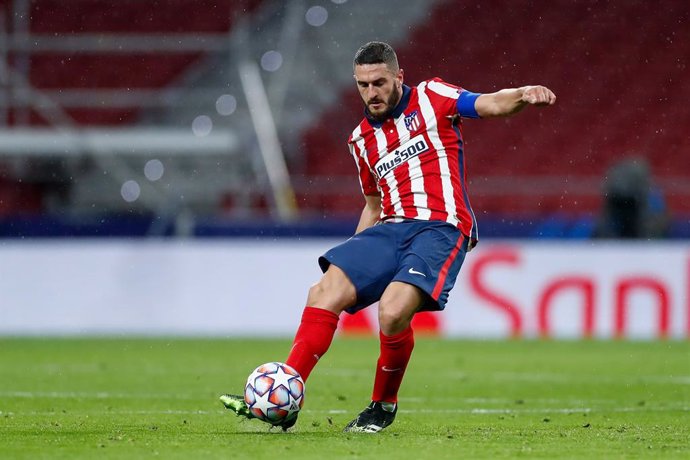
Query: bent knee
393, 320
317, 294
397, 307
332, 293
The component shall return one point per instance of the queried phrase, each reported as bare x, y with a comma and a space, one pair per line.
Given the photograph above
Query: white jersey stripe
356, 151
446, 185
381, 146
419, 195
443, 90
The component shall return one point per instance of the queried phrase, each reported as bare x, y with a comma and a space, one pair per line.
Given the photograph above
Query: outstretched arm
370, 213
510, 101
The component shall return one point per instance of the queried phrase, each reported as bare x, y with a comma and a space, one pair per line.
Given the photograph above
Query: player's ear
400, 76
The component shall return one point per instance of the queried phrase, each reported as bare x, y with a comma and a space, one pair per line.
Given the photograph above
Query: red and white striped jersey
414, 159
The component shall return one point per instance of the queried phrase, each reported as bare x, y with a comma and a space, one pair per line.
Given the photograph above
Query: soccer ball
274, 393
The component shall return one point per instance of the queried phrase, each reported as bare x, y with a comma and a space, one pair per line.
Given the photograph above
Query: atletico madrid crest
412, 121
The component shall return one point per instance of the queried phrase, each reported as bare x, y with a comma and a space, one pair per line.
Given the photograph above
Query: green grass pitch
142, 398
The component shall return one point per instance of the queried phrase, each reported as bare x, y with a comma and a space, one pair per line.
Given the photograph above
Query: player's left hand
538, 95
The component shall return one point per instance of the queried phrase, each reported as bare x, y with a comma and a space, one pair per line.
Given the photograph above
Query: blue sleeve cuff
466, 104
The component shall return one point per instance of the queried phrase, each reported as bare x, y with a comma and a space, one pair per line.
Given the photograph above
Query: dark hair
377, 53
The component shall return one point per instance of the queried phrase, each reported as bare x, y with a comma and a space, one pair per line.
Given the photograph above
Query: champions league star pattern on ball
274, 393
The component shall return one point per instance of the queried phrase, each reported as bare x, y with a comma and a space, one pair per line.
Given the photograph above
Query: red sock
390, 369
312, 340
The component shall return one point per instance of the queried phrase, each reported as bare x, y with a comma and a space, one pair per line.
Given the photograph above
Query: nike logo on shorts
412, 271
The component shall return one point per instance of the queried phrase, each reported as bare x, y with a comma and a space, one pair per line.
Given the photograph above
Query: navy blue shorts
426, 254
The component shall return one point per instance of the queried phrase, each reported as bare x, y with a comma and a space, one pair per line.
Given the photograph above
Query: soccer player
415, 228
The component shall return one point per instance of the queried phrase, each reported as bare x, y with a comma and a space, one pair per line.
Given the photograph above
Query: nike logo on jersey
388, 369
410, 149
412, 271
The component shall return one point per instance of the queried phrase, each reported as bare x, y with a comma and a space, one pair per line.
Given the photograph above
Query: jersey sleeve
366, 179
452, 99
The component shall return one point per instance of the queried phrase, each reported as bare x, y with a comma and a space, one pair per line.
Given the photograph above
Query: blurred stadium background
186, 119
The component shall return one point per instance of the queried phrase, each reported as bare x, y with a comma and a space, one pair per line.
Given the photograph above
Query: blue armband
466, 104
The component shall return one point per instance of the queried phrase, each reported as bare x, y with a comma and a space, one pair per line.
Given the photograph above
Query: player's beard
391, 103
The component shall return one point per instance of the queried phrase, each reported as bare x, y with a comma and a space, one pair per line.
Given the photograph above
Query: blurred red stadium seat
69, 70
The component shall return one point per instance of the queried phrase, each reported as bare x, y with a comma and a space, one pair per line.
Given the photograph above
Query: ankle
388, 406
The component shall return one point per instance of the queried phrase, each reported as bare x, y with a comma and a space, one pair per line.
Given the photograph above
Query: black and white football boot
373, 418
